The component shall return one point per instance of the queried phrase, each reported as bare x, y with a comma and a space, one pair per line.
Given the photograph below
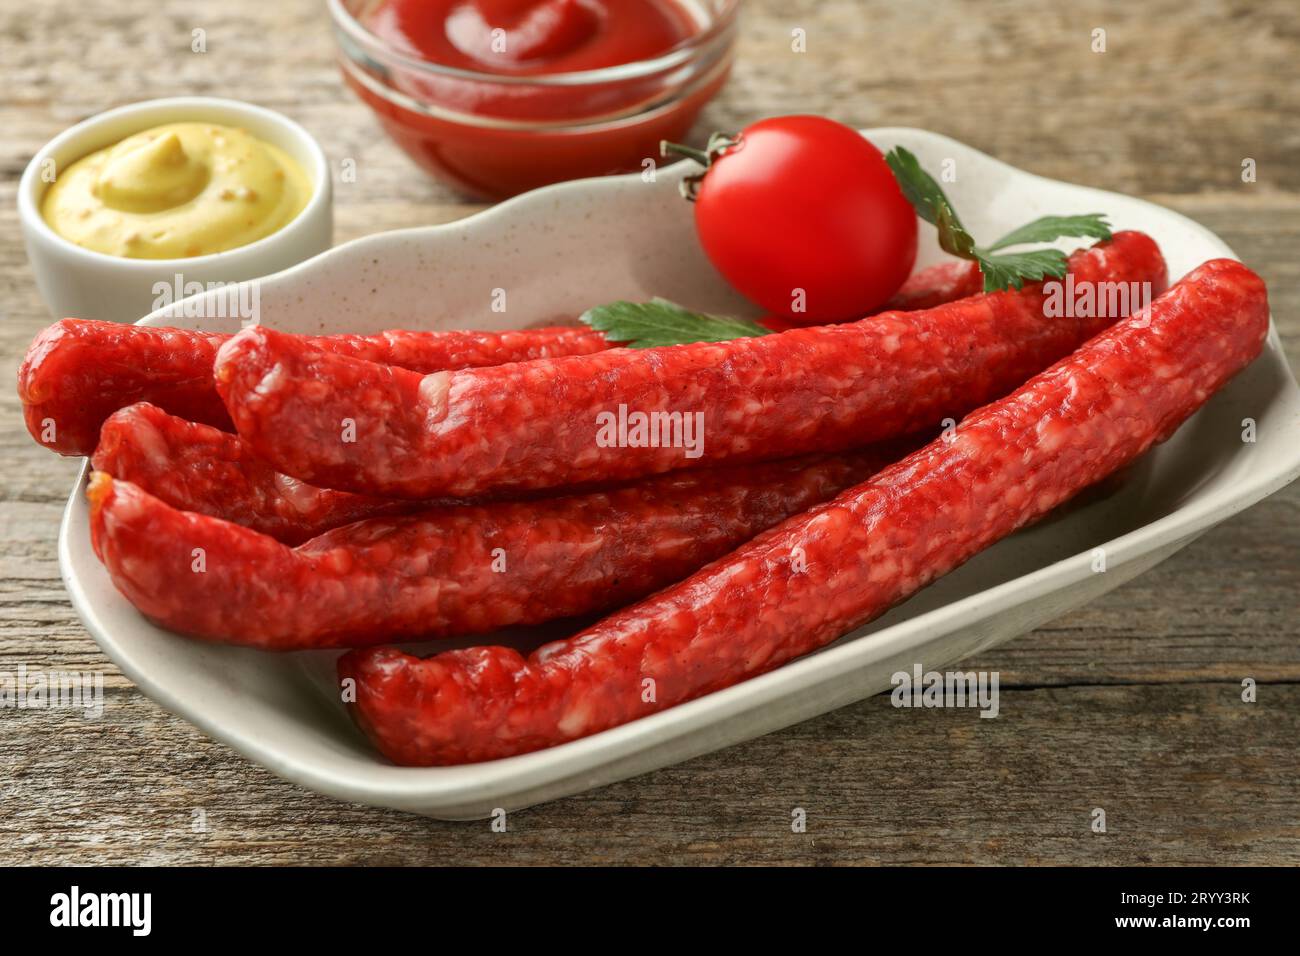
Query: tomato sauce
499, 121
551, 36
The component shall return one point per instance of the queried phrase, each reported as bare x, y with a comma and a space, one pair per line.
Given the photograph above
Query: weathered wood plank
1186, 773
1130, 704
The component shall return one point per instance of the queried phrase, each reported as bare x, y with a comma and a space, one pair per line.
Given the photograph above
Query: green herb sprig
646, 325
1001, 270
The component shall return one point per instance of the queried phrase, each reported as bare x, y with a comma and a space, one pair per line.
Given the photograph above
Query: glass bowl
494, 135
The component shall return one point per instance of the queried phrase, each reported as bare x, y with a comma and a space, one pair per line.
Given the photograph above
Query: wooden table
1131, 704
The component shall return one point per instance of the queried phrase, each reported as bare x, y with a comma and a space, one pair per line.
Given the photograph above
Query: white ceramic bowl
84, 284
563, 248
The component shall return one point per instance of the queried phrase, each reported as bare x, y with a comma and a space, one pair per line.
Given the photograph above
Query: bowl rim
678, 55
638, 114
147, 112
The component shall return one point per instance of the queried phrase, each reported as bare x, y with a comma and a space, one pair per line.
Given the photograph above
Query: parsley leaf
644, 325
931, 204
1002, 270
1050, 228
1012, 269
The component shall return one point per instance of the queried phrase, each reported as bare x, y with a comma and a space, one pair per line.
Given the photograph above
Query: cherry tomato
803, 217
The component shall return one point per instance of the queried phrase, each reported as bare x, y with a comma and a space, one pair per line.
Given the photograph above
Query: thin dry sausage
624, 413
200, 468
937, 284
449, 571
77, 372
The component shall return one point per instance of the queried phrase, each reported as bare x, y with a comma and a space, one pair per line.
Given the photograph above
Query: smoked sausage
77, 372
937, 284
624, 413
200, 468
449, 571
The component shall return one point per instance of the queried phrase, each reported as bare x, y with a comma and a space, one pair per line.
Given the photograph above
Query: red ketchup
498, 96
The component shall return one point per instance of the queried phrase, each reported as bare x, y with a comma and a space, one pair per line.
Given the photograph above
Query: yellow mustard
176, 191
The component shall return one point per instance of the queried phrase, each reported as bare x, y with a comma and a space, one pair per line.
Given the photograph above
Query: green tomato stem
688, 152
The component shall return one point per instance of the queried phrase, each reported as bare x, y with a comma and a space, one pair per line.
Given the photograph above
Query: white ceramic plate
561, 249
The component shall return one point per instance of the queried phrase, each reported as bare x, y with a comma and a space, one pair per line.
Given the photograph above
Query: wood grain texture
1131, 704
